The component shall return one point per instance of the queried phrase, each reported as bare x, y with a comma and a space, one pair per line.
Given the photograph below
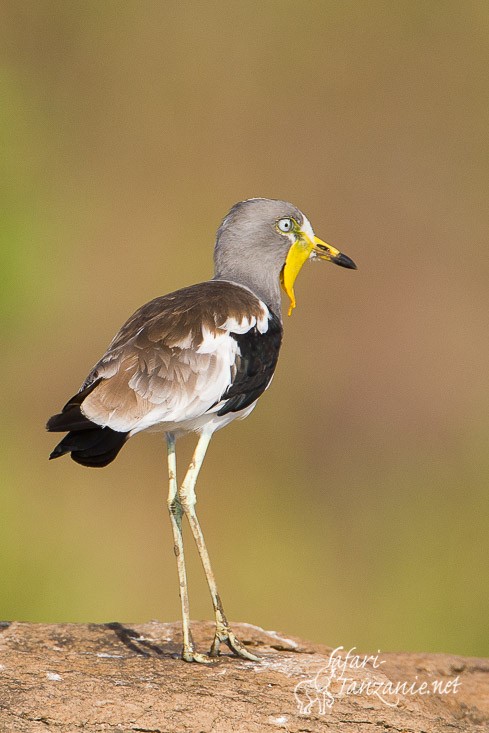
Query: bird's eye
285, 225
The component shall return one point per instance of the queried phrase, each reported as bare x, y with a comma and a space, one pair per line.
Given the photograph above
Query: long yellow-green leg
188, 500
176, 512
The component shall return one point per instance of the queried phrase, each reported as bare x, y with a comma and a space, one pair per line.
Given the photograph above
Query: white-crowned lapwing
193, 361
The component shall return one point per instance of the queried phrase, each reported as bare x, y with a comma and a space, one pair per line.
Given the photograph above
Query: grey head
251, 249
263, 243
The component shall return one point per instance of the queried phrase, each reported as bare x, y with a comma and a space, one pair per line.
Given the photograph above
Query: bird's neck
264, 286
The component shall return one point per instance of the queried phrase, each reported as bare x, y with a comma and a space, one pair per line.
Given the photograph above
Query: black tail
88, 443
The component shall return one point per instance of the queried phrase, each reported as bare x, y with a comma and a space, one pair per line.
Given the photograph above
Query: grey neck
261, 283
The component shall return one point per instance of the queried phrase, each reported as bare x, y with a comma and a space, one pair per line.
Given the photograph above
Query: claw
226, 636
189, 655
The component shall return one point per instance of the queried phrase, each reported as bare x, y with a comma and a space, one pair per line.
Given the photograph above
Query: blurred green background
352, 507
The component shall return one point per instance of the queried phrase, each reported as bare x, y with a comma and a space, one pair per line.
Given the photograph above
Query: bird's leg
175, 509
187, 497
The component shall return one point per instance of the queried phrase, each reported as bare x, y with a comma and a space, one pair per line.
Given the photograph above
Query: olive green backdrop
352, 506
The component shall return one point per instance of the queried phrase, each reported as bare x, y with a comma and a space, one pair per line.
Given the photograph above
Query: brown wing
174, 358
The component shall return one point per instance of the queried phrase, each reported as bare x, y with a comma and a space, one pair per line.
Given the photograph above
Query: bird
192, 361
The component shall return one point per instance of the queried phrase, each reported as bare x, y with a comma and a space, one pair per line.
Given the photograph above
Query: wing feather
174, 358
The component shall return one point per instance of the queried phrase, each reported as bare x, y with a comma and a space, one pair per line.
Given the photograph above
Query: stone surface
114, 677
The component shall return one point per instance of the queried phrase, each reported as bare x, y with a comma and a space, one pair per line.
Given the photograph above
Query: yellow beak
301, 250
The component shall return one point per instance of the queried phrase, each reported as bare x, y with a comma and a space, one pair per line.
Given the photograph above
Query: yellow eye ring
285, 225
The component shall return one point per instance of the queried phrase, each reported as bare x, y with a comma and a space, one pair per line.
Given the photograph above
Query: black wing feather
255, 366
88, 443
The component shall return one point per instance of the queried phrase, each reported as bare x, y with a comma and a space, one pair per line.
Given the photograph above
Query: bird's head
268, 241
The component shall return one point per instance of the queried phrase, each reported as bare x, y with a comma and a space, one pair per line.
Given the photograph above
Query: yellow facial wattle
299, 252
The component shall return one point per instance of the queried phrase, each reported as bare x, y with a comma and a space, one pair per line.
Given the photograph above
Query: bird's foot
224, 635
190, 655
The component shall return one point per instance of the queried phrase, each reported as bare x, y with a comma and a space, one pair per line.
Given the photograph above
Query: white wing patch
185, 343
232, 324
196, 383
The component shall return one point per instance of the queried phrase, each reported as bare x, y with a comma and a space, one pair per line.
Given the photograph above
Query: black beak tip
344, 261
